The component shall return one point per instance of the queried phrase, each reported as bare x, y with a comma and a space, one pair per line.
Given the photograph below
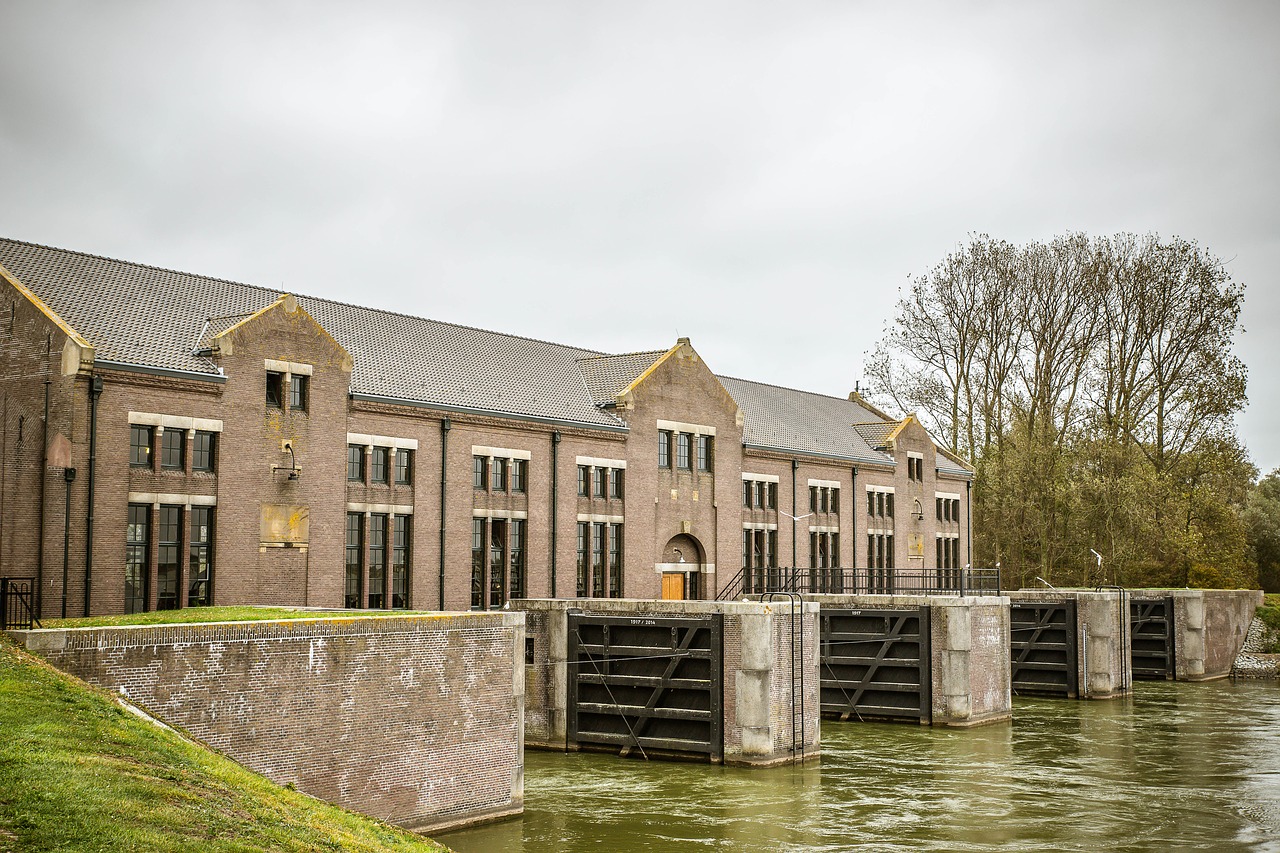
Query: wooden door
672, 586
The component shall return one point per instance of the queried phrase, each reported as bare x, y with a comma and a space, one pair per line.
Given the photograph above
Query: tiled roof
151, 317
608, 375
877, 433
802, 421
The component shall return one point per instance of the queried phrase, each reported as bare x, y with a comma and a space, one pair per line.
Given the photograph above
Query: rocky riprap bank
1251, 662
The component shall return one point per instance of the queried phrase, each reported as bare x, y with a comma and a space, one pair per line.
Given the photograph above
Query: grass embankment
79, 772
1269, 615
214, 614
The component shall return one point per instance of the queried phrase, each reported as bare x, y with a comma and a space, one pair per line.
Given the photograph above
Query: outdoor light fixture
293, 469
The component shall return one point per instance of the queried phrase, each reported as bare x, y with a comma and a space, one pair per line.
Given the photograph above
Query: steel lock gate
1043, 652
646, 683
875, 664
1152, 638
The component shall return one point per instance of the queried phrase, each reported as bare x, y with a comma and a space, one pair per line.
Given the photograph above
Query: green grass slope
79, 772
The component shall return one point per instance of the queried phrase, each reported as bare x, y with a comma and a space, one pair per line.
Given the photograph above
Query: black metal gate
646, 683
1152, 638
17, 603
1043, 653
876, 664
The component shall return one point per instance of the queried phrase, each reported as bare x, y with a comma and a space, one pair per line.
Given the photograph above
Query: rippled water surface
1177, 767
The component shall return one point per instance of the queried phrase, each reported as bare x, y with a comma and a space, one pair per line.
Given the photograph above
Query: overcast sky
759, 177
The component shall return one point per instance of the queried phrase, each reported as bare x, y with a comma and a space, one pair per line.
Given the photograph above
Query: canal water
1177, 767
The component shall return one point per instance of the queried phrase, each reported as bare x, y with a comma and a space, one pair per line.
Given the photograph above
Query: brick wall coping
132, 636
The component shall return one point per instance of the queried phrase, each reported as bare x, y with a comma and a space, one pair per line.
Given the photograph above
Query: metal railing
895, 581
17, 604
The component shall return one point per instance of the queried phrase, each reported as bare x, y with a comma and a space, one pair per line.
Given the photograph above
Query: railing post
964, 579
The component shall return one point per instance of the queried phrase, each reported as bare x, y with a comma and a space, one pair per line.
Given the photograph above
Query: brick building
222, 443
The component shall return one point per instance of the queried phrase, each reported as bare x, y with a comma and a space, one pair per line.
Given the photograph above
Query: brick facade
281, 500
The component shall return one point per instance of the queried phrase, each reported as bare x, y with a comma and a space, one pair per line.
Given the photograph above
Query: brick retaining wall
418, 720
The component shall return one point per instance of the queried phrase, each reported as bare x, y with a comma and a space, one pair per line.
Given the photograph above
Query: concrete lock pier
416, 719
936, 660
732, 681
1189, 634
1070, 643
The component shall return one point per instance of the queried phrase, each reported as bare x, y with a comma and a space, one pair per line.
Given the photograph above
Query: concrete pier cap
761, 689
969, 649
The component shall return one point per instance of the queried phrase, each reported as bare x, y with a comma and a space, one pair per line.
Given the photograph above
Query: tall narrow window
202, 450
479, 471
169, 562
615, 482
705, 447
275, 389
664, 448
140, 443
773, 495
400, 536
404, 467
683, 442
835, 500
519, 476
298, 388
584, 545
516, 545
354, 560
773, 549
748, 490
377, 561
137, 555
355, 463
200, 591
498, 475
584, 481
497, 563
813, 499
597, 561
477, 562
173, 450
615, 560
598, 482
378, 459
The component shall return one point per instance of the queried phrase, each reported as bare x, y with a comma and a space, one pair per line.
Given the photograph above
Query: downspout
853, 531
44, 475
555, 475
795, 464
968, 518
95, 391
445, 426
68, 476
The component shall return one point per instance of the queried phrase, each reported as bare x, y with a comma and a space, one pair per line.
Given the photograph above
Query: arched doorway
681, 567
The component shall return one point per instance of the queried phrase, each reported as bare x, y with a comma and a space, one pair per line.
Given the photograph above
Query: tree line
1092, 384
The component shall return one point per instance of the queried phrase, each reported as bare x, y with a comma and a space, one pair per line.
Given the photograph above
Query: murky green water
1178, 767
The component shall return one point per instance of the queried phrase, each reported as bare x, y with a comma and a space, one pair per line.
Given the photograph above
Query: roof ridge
621, 354
799, 391
277, 292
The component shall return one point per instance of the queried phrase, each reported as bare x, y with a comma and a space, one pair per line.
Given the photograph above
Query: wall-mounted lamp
293, 469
